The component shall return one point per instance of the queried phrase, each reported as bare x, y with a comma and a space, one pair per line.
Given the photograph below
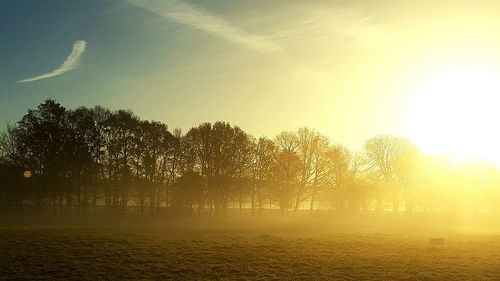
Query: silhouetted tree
285, 171
120, 131
264, 151
342, 171
61, 160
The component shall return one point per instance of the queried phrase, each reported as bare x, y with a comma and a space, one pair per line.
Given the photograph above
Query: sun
457, 112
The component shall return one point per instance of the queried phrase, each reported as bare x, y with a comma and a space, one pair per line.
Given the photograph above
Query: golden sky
350, 69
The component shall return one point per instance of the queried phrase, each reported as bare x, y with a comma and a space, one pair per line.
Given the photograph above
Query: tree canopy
93, 160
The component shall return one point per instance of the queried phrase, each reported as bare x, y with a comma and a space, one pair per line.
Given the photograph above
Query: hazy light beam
69, 64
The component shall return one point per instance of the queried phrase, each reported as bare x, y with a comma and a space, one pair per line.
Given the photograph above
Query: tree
120, 131
152, 142
408, 171
67, 160
172, 162
221, 154
319, 178
188, 191
310, 147
285, 171
262, 164
387, 157
342, 170
42, 144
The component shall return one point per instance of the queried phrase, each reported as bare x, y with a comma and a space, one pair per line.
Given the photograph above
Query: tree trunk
253, 197
167, 197
313, 197
241, 200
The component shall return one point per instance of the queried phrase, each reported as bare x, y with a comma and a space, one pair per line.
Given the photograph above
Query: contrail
69, 64
198, 18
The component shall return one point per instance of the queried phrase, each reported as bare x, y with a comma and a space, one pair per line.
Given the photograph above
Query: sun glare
456, 112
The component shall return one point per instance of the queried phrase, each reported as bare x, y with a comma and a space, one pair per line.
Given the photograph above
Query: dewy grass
240, 249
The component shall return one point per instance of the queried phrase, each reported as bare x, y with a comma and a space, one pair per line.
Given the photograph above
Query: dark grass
200, 249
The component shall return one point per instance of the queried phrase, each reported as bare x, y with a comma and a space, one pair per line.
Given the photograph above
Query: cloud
69, 64
324, 27
198, 18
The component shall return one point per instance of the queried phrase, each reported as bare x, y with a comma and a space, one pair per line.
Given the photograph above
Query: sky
346, 68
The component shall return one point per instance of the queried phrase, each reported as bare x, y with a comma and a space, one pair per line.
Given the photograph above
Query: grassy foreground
242, 249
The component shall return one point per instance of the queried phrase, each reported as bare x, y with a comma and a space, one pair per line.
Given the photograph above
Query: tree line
94, 160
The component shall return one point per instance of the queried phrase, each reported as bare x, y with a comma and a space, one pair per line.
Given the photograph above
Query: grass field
243, 249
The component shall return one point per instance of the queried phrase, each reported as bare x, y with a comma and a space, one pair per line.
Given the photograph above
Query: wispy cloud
69, 64
327, 26
201, 19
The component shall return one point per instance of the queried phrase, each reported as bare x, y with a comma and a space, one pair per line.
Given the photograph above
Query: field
245, 249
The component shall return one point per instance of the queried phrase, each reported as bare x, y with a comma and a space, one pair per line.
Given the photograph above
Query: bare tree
262, 164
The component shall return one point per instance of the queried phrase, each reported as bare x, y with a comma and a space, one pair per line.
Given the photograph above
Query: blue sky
266, 66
